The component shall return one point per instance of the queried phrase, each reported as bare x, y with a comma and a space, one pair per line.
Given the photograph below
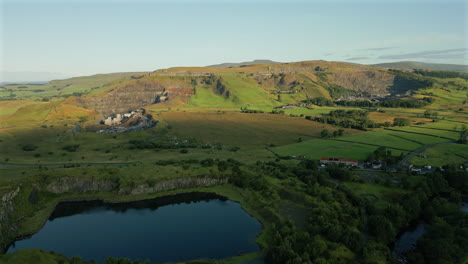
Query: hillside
259, 85
63, 88
409, 65
242, 64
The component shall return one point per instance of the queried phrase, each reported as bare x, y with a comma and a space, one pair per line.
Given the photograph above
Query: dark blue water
177, 228
407, 241
464, 207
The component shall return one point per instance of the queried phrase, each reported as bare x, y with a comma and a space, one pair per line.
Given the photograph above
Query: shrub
29, 147
71, 148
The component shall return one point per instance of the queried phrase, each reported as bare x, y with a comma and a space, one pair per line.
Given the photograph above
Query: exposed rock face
7, 225
138, 93
373, 82
66, 184
180, 183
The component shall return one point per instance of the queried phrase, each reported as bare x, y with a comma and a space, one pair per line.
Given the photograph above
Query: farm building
348, 162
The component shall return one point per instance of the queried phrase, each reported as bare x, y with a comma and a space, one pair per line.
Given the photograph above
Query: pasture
360, 145
242, 129
318, 148
442, 154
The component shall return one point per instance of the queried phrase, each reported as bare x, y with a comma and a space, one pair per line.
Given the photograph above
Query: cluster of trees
244, 109
441, 74
320, 101
430, 114
326, 134
418, 103
346, 118
357, 119
209, 80
361, 224
221, 88
148, 144
400, 121
335, 220
277, 112
416, 81
109, 260
446, 239
337, 91
385, 155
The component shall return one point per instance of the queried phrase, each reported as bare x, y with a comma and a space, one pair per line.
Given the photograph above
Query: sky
46, 39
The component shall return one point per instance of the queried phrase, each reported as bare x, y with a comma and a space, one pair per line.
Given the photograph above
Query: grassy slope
251, 132
66, 86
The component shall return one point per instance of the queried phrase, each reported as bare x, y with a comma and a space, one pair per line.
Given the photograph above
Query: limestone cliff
67, 184
8, 226
134, 94
180, 183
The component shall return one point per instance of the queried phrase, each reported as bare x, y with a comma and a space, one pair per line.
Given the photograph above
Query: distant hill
240, 64
259, 85
64, 87
409, 65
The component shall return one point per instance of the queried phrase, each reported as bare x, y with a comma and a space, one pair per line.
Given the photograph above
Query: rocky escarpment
67, 184
138, 93
7, 224
180, 183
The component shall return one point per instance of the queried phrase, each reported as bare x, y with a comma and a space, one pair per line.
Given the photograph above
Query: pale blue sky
82, 37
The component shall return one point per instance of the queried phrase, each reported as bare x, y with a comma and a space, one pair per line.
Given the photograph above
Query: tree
399, 121
324, 133
381, 228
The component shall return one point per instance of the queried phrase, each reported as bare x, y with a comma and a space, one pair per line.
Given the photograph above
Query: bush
71, 148
29, 147
401, 121
183, 151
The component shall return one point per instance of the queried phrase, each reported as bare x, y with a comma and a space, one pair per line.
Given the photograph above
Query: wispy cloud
358, 58
429, 54
378, 49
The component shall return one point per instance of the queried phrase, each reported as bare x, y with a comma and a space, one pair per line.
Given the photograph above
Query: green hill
253, 86
256, 87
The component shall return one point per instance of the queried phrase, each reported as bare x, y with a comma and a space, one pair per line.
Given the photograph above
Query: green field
359, 146
431, 132
318, 148
442, 155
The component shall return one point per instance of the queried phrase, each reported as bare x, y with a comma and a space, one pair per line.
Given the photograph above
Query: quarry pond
166, 229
